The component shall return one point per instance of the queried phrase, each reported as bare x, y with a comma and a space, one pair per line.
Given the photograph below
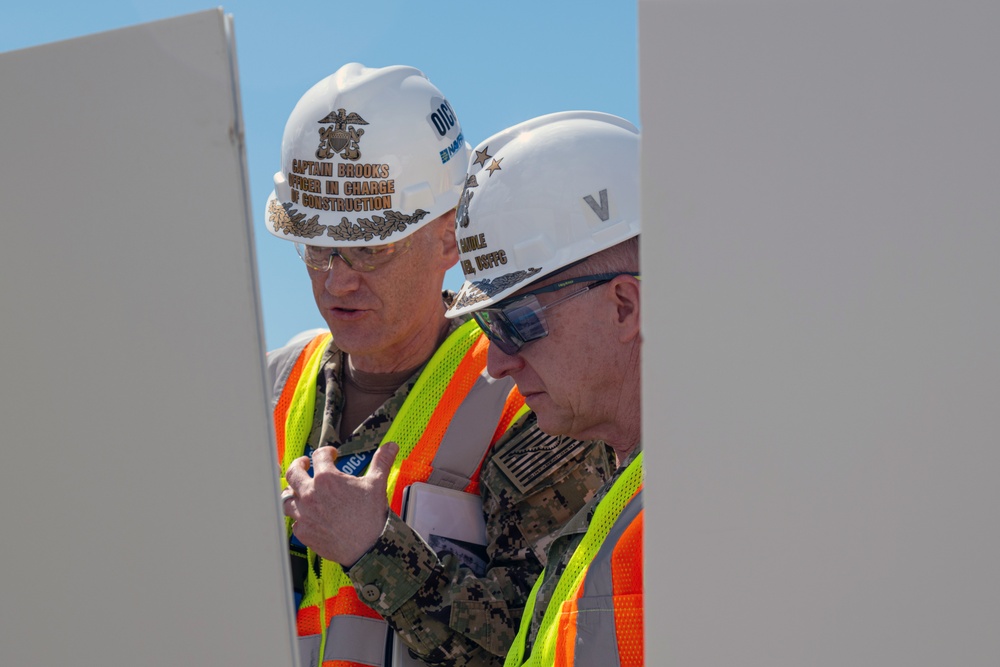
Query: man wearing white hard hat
395, 395
549, 227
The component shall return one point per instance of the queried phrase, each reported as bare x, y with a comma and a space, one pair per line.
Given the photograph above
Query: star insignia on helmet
482, 156
494, 166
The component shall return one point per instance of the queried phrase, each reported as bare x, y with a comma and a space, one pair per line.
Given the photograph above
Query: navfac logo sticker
341, 137
455, 146
442, 118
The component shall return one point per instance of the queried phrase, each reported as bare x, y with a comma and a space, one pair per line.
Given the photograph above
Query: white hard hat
542, 195
369, 156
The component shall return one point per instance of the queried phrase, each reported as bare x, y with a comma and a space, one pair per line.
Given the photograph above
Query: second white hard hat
542, 195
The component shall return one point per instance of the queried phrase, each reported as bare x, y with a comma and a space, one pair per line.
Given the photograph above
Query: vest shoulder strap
607, 511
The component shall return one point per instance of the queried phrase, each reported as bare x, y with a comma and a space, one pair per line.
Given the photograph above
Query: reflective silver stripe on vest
462, 446
596, 636
280, 362
361, 640
598, 577
309, 651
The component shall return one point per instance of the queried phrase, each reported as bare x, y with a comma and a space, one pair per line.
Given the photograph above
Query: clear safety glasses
514, 322
359, 258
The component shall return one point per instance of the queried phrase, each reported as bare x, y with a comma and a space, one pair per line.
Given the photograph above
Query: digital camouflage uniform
444, 613
562, 546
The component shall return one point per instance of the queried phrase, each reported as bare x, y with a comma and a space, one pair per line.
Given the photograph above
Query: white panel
137, 491
821, 242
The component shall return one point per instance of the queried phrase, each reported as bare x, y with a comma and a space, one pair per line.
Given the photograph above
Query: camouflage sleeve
531, 485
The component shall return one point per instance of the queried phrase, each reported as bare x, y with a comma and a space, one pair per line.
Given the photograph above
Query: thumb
382, 462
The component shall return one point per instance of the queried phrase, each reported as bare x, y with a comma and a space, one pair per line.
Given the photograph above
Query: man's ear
449, 243
624, 293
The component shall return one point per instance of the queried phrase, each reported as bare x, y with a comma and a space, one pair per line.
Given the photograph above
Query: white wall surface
138, 501
822, 373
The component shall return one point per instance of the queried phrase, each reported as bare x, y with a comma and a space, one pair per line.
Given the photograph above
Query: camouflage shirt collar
330, 402
581, 521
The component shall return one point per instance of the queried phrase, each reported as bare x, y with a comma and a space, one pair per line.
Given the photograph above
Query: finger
288, 503
298, 531
298, 472
382, 461
324, 458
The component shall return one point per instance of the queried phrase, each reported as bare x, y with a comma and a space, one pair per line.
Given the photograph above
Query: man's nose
340, 278
499, 364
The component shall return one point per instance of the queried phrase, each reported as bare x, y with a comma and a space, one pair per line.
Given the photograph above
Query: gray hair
620, 258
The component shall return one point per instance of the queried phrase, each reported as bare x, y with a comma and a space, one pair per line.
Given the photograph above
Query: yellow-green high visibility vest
595, 615
450, 419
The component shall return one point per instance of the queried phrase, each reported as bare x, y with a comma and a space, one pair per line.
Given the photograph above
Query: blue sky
498, 63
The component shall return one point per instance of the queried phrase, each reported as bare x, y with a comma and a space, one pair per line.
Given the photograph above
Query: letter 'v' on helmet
368, 156
542, 195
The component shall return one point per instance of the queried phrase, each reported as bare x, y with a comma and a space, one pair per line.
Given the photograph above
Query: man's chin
351, 337
549, 419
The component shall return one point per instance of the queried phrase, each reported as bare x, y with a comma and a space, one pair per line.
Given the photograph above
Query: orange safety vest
448, 423
595, 615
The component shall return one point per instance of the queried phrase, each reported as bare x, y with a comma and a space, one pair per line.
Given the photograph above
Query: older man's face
378, 316
570, 377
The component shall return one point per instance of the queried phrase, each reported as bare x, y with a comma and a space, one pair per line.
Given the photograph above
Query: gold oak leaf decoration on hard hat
286, 219
366, 229
487, 288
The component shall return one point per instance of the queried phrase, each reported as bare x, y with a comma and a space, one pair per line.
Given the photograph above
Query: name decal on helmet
472, 243
602, 210
483, 262
491, 259
341, 137
363, 171
371, 195
348, 204
312, 168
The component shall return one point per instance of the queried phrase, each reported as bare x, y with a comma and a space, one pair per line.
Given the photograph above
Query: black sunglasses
514, 322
